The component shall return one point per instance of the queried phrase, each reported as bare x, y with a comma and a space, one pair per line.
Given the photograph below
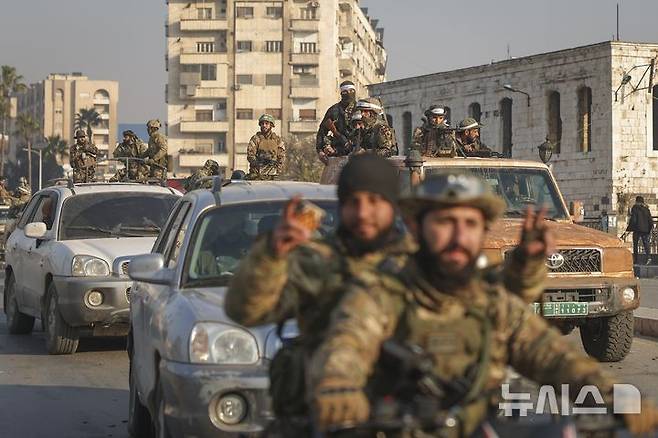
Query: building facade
229, 61
604, 128
55, 101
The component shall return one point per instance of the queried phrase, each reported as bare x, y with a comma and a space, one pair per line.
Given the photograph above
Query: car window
114, 214
45, 210
160, 244
4, 215
224, 235
177, 235
28, 212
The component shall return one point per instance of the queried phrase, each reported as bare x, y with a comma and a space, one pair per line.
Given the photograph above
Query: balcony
190, 78
189, 24
203, 58
194, 127
198, 159
304, 126
346, 66
305, 58
305, 25
305, 88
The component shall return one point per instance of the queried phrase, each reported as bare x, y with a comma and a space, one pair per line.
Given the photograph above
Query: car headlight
222, 344
89, 266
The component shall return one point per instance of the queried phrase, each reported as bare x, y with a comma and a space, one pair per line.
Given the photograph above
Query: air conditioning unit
236, 87
314, 4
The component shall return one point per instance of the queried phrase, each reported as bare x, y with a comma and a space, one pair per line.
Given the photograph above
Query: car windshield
519, 188
106, 215
224, 235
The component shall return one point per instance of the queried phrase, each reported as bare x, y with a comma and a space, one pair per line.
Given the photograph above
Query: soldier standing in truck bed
83, 158
337, 121
434, 138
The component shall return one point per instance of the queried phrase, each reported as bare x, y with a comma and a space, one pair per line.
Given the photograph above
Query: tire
139, 419
61, 338
18, 322
159, 423
608, 339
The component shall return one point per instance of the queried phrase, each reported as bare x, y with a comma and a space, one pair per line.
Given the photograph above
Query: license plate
560, 309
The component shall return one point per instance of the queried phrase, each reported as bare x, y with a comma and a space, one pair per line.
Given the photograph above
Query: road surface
85, 395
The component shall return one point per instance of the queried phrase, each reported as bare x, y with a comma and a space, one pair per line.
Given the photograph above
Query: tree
302, 163
86, 119
10, 84
56, 147
26, 129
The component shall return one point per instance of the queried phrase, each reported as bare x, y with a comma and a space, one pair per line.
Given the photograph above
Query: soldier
469, 326
130, 147
377, 137
156, 154
134, 172
5, 196
434, 138
347, 145
266, 152
83, 158
210, 168
468, 139
337, 121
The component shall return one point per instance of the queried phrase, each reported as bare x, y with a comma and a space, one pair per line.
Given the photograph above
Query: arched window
475, 111
585, 118
655, 117
554, 121
101, 95
406, 129
506, 125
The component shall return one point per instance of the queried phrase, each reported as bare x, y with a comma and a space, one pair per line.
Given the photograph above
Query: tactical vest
437, 143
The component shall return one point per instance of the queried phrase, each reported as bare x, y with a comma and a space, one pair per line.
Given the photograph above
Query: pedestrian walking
641, 224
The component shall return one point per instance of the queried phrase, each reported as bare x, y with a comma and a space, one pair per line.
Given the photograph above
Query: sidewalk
646, 316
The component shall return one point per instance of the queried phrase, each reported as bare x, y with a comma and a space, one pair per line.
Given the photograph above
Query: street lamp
514, 90
38, 152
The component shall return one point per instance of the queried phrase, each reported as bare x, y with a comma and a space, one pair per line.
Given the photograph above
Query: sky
124, 40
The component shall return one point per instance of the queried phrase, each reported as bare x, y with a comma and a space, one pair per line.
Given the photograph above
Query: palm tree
26, 129
86, 119
56, 147
10, 84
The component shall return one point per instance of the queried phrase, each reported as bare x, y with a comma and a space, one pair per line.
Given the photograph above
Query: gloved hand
537, 239
338, 402
645, 422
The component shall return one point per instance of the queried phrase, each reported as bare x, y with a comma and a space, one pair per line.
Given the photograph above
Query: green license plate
560, 309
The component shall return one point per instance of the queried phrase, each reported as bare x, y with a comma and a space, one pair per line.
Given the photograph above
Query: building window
506, 125
243, 46
208, 72
204, 13
245, 79
303, 69
274, 112
274, 12
273, 46
406, 129
475, 111
655, 117
244, 114
203, 115
220, 111
205, 47
308, 13
244, 12
190, 68
308, 47
273, 80
307, 114
585, 119
220, 144
554, 121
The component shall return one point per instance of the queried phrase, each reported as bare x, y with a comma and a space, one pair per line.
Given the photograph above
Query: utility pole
617, 21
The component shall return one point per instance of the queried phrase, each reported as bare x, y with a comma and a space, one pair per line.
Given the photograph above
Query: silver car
193, 371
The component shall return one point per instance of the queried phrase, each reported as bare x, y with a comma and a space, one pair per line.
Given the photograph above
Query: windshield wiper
146, 228
102, 231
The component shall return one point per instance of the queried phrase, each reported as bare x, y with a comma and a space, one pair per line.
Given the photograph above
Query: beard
359, 247
441, 276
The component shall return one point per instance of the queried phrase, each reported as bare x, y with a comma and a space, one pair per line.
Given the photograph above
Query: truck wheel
608, 339
61, 338
139, 419
18, 322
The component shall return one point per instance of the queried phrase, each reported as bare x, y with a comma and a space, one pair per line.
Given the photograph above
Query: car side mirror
36, 230
150, 268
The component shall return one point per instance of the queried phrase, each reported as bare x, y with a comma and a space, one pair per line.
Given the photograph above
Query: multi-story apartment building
229, 61
56, 100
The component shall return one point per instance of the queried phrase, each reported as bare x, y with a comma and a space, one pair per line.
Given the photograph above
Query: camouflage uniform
210, 168
434, 140
82, 156
474, 148
5, 196
133, 148
266, 154
377, 137
157, 150
341, 115
134, 173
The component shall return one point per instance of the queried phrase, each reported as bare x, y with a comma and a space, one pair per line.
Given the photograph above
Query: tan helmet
79, 133
154, 123
266, 118
452, 190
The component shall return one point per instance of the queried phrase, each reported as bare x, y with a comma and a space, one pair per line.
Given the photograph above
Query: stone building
605, 128
229, 61
56, 100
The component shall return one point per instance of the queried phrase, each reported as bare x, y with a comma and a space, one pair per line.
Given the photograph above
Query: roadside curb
646, 322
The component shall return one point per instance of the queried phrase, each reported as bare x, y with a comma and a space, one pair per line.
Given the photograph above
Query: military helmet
469, 123
79, 133
212, 165
452, 190
154, 123
128, 133
266, 118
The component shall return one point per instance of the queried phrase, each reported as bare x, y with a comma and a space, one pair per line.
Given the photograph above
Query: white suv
67, 260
